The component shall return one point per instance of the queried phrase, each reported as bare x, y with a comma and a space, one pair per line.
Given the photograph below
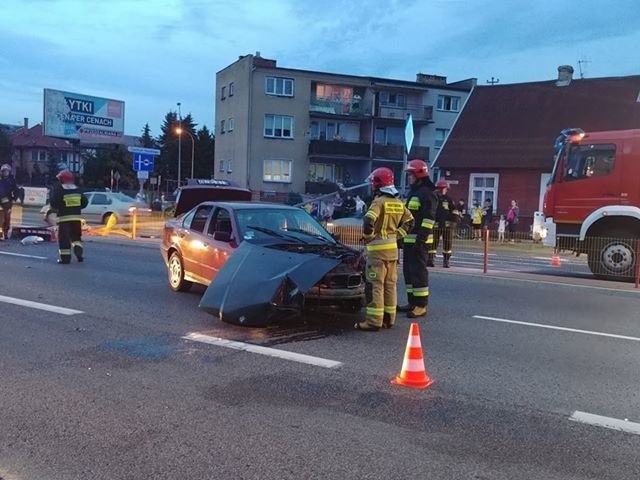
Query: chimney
26, 123
565, 75
428, 79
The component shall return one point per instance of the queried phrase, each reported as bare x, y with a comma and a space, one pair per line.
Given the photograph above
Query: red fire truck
592, 201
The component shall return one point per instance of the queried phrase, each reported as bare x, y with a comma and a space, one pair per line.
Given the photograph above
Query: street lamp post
179, 145
179, 131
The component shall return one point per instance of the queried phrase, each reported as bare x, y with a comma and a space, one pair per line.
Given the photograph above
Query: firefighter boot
405, 308
445, 261
431, 260
79, 252
417, 312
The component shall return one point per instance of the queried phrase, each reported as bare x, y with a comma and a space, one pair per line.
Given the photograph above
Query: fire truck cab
592, 200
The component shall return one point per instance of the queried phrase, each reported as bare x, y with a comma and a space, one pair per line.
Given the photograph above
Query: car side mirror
222, 236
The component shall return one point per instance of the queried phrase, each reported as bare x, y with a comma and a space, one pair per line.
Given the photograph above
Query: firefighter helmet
65, 176
442, 184
418, 167
5, 168
381, 177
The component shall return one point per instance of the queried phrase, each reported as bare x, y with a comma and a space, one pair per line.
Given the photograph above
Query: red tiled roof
514, 126
33, 138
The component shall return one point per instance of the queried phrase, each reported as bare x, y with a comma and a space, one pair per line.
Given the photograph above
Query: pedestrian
462, 210
387, 220
476, 220
487, 214
68, 201
422, 203
502, 224
447, 217
513, 218
360, 206
9, 192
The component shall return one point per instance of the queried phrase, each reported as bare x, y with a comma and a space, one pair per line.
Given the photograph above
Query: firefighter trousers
381, 292
6, 218
416, 275
69, 235
447, 240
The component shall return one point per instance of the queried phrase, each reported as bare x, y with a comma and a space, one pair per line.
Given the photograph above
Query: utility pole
580, 62
179, 145
493, 81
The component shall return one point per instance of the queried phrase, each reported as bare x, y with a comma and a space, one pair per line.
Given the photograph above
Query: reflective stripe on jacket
386, 221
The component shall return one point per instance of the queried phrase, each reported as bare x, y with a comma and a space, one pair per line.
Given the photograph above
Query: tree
205, 149
5, 147
146, 140
99, 165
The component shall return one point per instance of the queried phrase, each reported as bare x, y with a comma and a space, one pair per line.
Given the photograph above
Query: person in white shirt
502, 226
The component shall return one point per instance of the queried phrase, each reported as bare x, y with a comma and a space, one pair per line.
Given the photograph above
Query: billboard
81, 117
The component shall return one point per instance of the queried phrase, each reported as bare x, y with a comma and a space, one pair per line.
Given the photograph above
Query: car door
97, 207
220, 243
194, 241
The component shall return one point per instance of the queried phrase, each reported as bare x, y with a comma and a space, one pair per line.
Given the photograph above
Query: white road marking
23, 255
39, 306
607, 422
553, 327
272, 352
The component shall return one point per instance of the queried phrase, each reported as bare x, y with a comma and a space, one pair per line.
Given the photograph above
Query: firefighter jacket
447, 212
67, 201
8, 190
422, 203
386, 222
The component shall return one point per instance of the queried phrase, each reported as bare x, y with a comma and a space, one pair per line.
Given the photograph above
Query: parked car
259, 261
101, 206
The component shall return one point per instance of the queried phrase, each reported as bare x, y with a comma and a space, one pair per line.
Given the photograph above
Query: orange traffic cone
413, 373
555, 259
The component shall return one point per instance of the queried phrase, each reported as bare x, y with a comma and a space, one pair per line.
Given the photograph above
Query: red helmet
381, 177
442, 184
418, 167
65, 176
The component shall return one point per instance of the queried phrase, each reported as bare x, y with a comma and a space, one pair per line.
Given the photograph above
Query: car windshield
292, 222
122, 197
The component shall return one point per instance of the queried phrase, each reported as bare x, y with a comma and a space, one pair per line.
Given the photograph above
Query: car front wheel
176, 274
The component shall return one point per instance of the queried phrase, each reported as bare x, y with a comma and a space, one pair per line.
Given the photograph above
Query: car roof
239, 205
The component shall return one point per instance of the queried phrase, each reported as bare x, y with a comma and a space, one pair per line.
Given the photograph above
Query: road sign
148, 151
143, 162
143, 174
408, 133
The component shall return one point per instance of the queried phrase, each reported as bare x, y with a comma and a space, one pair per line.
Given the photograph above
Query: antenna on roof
493, 81
580, 62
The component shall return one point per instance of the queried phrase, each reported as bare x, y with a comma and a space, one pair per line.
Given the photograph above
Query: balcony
338, 148
417, 111
395, 152
352, 108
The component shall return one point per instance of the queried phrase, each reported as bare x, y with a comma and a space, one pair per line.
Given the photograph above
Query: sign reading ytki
81, 117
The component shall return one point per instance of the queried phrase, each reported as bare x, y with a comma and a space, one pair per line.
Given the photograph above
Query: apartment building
281, 131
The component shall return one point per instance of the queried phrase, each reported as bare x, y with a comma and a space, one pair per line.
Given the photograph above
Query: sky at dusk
152, 54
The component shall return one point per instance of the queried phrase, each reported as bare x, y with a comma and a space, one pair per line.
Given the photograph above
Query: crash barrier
609, 258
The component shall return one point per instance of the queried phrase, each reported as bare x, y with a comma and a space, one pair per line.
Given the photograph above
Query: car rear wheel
176, 274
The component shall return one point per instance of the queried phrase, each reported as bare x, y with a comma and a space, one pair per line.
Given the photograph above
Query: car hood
262, 281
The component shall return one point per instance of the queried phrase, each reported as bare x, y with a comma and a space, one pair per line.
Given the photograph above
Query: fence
486, 250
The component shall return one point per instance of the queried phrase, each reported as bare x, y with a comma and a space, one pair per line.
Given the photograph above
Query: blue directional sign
143, 162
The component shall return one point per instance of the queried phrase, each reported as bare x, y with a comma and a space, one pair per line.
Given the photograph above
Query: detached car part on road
260, 261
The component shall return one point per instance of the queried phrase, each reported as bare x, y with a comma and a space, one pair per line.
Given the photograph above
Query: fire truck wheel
613, 257
176, 274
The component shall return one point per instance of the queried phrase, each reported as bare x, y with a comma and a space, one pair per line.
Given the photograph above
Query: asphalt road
105, 386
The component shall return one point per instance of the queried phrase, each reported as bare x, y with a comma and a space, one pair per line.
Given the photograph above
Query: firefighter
67, 201
9, 192
447, 217
422, 203
386, 222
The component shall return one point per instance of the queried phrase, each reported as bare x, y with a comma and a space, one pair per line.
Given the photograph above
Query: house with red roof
501, 146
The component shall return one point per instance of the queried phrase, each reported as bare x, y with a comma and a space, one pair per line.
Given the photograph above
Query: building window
279, 86
231, 88
230, 125
221, 167
393, 99
229, 166
222, 126
223, 93
322, 172
448, 103
441, 136
277, 171
278, 126
483, 186
389, 136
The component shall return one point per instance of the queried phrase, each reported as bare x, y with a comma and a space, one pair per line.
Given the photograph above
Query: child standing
502, 226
